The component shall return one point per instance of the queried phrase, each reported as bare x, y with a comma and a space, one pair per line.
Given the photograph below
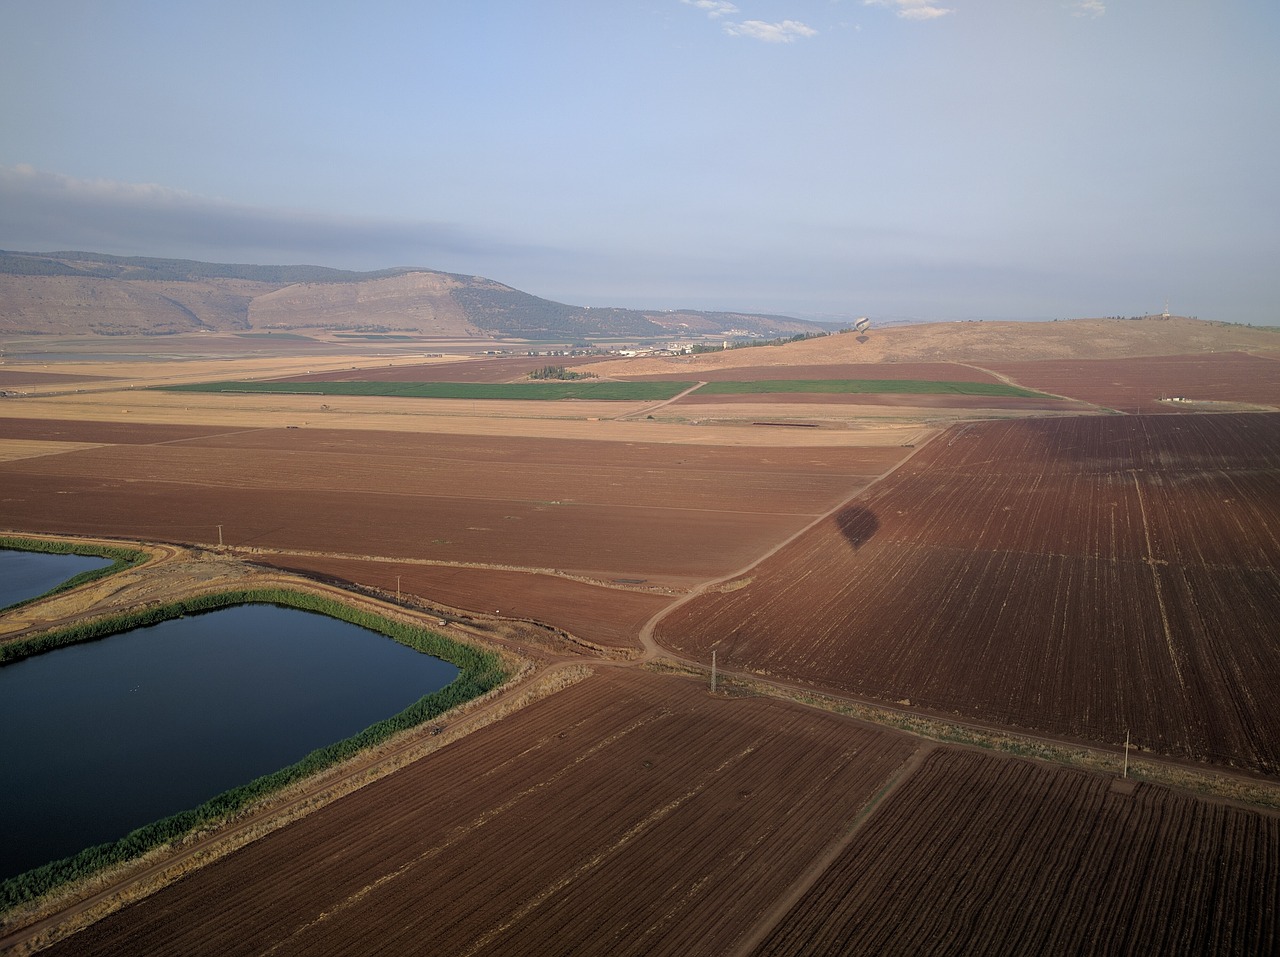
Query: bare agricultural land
1027, 564
1082, 577
968, 852
607, 616
1156, 383
531, 836
668, 513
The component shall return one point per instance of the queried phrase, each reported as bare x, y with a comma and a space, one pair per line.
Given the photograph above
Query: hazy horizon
897, 158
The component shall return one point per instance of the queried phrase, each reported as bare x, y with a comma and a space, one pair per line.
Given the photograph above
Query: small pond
25, 575
103, 737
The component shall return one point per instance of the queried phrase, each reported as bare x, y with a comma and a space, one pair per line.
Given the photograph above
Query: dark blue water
100, 738
25, 575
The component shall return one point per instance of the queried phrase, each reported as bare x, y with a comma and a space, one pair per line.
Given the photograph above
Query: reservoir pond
25, 575
103, 737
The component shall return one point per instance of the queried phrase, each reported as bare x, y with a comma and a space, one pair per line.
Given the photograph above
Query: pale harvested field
970, 342
483, 369
762, 371
172, 370
13, 449
563, 420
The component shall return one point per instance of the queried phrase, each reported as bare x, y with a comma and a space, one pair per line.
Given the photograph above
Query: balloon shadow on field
857, 524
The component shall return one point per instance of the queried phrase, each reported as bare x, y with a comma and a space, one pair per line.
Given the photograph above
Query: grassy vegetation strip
481, 671
538, 391
121, 558
859, 386
1224, 786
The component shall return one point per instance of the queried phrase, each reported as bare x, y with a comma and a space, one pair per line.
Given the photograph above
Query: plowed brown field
601, 509
592, 613
1078, 578
981, 855
892, 400
1138, 385
628, 814
924, 371
1081, 577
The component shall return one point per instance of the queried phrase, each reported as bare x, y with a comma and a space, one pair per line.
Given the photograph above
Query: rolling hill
66, 293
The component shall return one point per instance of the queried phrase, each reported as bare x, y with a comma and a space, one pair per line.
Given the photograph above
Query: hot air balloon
862, 324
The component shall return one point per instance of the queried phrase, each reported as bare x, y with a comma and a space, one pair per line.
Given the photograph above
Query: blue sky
822, 158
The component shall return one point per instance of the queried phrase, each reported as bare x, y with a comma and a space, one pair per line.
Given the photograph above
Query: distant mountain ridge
80, 292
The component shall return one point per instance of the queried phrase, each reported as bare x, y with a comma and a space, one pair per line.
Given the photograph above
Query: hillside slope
975, 342
74, 293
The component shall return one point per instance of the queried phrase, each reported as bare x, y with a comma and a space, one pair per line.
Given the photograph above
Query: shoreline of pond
480, 672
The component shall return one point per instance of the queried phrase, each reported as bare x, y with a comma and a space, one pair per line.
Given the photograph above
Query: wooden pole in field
713, 672
397, 588
219, 536
1126, 754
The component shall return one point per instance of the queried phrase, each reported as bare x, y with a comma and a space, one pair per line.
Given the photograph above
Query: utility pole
1126, 754
397, 588
219, 536
713, 672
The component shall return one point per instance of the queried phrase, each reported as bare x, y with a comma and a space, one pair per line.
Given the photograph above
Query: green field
552, 390
856, 386
544, 391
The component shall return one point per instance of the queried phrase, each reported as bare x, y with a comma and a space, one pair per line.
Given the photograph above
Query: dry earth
628, 811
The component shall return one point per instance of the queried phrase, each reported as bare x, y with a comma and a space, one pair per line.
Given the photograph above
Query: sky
926, 159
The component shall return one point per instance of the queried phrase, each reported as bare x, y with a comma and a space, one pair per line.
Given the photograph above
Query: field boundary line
65, 911
650, 648
649, 410
1174, 657
783, 904
1213, 783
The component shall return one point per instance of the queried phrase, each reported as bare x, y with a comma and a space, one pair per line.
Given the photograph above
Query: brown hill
974, 342
75, 293
421, 302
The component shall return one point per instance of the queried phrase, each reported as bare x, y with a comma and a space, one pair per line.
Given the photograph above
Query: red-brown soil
1137, 385
12, 377
891, 400
608, 617
119, 433
977, 854
897, 371
1083, 577
672, 513
628, 814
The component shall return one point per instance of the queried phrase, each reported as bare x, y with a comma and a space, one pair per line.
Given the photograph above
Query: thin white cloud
786, 31
1089, 8
915, 9
712, 8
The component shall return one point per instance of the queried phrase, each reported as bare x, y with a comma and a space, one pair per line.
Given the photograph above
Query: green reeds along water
26, 575
105, 736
